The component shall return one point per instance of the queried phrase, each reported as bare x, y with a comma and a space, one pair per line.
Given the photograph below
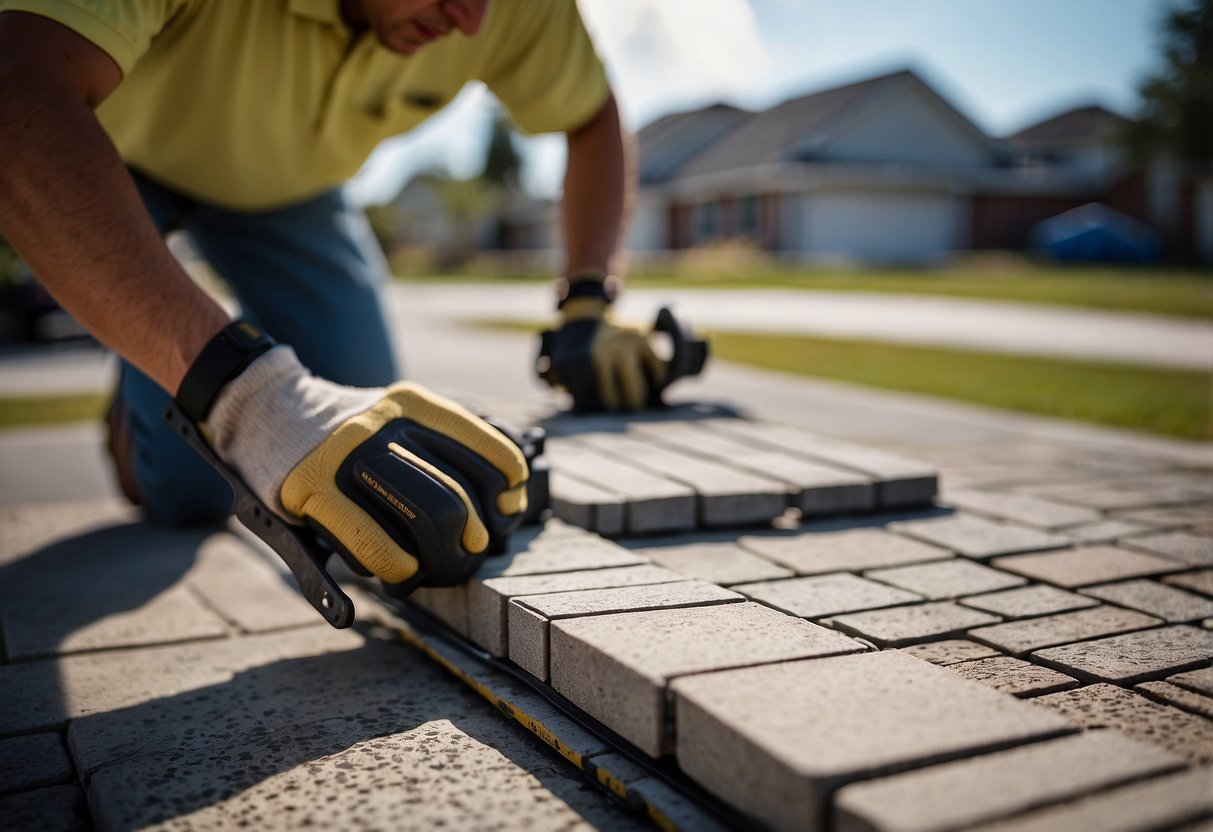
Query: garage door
875, 225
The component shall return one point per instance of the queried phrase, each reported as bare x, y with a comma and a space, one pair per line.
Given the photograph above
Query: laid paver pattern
1014, 676
1106, 531
977, 537
1021, 508
1038, 599
1134, 657
1200, 681
947, 579
1187, 548
950, 651
719, 563
33, 761
849, 550
1028, 634
1087, 565
906, 625
1165, 602
1200, 581
1170, 694
823, 595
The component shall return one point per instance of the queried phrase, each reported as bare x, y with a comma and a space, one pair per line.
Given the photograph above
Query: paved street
1044, 635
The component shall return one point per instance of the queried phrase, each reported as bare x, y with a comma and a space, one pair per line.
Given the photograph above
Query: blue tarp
1095, 233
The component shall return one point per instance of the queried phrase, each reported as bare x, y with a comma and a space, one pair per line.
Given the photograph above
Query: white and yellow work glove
605, 365
409, 485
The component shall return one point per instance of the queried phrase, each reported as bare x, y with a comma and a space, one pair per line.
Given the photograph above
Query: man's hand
399, 479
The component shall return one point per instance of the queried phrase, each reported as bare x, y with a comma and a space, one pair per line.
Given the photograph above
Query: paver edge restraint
426, 629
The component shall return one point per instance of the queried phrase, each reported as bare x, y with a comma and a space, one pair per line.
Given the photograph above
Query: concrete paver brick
529, 617
616, 667
1200, 681
60, 808
670, 810
1165, 602
851, 550
1027, 601
1195, 517
488, 599
587, 505
561, 554
950, 651
1170, 694
1015, 676
1105, 531
899, 626
1028, 634
1086, 565
32, 762
946, 579
1160, 803
448, 604
776, 740
1199, 581
1108, 706
964, 793
718, 563
1185, 548
1020, 508
615, 772
27, 528
725, 494
1134, 657
977, 537
823, 595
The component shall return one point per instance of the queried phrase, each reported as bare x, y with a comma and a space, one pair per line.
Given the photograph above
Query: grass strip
49, 410
1155, 400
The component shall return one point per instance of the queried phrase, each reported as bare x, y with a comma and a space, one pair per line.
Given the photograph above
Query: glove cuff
222, 359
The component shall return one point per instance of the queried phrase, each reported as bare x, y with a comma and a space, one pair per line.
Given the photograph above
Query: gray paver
1200, 581
1170, 694
32, 762
822, 595
616, 667
60, 808
1015, 676
904, 625
977, 537
1185, 548
670, 810
1134, 657
1021, 508
245, 589
1105, 531
964, 793
27, 528
775, 740
946, 579
1102, 705
586, 505
1165, 602
950, 651
560, 554
529, 617
1037, 599
1028, 634
1193, 517
1200, 681
488, 599
725, 495
1160, 803
1087, 565
446, 603
851, 550
718, 563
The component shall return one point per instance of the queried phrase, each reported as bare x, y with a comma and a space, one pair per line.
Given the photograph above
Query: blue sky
1004, 64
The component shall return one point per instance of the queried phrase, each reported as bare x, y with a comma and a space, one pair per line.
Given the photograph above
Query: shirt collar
322, 11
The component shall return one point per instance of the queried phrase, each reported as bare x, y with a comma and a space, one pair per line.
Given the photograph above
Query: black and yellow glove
408, 485
603, 364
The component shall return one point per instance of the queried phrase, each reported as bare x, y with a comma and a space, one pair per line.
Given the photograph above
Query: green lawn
49, 410
1160, 401
1168, 291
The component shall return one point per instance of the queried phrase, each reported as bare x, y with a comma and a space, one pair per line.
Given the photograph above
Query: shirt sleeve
123, 29
544, 68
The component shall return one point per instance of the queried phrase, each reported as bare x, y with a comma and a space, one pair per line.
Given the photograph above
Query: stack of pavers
934, 670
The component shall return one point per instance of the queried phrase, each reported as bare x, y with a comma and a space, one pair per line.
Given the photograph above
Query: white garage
882, 225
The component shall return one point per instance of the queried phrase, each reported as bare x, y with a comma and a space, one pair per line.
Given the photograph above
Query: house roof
788, 131
1081, 125
672, 140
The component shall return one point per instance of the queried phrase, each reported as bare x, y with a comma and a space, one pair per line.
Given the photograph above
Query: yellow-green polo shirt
254, 104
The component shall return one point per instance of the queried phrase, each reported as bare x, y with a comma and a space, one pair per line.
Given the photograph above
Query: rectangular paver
977, 537
718, 563
1134, 657
489, 599
1166, 602
1199, 581
1106, 531
1200, 681
776, 740
1185, 548
1015, 676
1023, 602
1086, 565
1109, 706
530, 616
1020, 508
616, 667
905, 625
950, 651
587, 505
964, 793
1028, 634
823, 595
1169, 694
32, 762
850, 550
946, 579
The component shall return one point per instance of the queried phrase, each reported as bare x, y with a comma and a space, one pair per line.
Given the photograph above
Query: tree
1177, 103
502, 163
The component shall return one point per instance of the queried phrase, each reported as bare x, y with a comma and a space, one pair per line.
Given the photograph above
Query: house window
747, 216
707, 221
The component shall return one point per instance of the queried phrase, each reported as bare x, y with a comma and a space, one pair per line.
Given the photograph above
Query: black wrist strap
224, 357
602, 288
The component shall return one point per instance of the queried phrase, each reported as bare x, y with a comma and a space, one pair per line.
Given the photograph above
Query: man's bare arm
69, 207
599, 186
